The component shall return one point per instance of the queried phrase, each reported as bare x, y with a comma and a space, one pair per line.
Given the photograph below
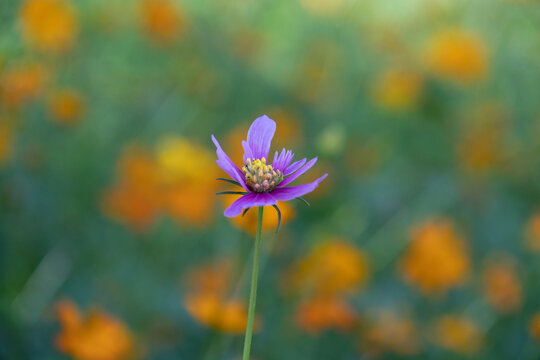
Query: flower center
261, 177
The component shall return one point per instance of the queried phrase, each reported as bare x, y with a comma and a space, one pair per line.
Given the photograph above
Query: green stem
253, 290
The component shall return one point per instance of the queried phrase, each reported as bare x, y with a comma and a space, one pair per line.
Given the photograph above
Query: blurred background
423, 242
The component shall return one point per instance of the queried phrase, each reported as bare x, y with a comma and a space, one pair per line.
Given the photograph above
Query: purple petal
249, 200
260, 136
276, 157
226, 164
292, 192
248, 154
288, 159
294, 166
276, 164
283, 160
302, 170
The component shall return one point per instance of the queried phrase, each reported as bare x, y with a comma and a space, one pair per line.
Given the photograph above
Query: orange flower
502, 287
398, 89
320, 313
162, 20
179, 179
532, 232
458, 334
188, 175
535, 327
208, 300
66, 107
95, 336
21, 84
333, 267
229, 316
391, 333
49, 24
134, 199
437, 258
6, 141
458, 56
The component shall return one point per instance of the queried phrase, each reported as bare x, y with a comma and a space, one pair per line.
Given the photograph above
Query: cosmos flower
264, 184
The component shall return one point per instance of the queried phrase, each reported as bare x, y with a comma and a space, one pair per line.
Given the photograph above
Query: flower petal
248, 154
292, 192
249, 200
276, 158
260, 136
300, 171
288, 158
283, 160
294, 166
226, 164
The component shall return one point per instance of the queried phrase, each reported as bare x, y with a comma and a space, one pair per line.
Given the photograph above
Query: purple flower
264, 184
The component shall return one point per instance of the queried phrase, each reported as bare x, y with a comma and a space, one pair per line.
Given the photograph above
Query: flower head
437, 258
325, 312
92, 336
264, 184
458, 55
49, 25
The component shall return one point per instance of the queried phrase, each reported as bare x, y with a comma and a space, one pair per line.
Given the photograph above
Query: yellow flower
208, 301
66, 107
390, 333
95, 336
502, 287
188, 175
437, 258
49, 24
333, 267
162, 20
327, 312
398, 89
458, 334
458, 56
182, 160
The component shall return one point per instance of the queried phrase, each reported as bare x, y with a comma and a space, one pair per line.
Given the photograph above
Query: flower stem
253, 290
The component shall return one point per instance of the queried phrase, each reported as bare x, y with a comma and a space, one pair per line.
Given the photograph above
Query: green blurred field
423, 242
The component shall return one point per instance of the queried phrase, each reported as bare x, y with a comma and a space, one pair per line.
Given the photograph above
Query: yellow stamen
261, 177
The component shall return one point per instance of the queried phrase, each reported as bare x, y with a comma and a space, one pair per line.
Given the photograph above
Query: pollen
261, 177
